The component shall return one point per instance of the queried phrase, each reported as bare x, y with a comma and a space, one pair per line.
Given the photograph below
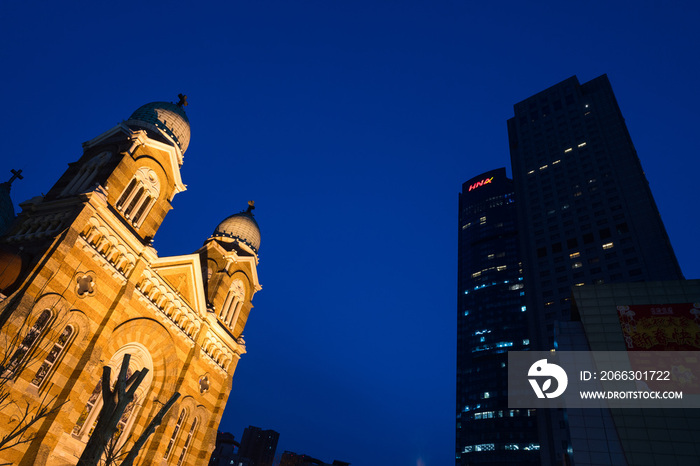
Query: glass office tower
585, 213
585, 210
492, 319
578, 211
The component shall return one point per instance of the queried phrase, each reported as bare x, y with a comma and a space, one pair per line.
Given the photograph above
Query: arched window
188, 441
139, 196
86, 174
140, 358
53, 356
89, 412
29, 341
233, 304
176, 431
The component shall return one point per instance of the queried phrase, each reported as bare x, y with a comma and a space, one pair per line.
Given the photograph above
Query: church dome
166, 118
241, 226
10, 268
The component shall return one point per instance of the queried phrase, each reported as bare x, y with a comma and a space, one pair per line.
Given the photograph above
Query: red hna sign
481, 183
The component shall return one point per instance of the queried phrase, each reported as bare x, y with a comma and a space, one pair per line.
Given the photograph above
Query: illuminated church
81, 285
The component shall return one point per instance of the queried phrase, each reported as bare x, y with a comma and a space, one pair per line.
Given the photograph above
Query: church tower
85, 286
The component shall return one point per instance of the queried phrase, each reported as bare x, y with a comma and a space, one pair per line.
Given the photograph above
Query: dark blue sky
352, 125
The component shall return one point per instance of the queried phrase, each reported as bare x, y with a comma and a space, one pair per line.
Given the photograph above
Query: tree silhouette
115, 400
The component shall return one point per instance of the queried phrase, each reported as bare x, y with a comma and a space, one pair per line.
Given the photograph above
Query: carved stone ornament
85, 285
204, 384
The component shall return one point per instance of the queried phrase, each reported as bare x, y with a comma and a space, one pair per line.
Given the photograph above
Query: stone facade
91, 288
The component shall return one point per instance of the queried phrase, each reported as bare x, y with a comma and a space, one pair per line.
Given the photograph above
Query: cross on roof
16, 174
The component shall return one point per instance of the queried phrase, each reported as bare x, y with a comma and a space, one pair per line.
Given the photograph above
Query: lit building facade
491, 320
85, 287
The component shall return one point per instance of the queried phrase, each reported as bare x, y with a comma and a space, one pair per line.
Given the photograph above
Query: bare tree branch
155, 422
29, 417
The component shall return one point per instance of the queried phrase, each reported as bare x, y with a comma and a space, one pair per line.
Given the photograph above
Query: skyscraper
491, 320
585, 211
585, 215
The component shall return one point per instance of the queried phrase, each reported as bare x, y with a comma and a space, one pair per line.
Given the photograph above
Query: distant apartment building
258, 446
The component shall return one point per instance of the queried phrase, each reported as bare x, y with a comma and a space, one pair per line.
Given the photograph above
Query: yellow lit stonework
86, 258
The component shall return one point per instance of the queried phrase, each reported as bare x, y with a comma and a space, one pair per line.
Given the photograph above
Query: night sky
352, 124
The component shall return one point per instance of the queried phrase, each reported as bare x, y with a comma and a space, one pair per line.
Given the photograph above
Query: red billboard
661, 327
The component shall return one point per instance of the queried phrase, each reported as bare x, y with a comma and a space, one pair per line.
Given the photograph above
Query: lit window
579, 284
582, 144
526, 341
190, 434
574, 255
83, 179
490, 256
89, 410
556, 162
29, 340
568, 150
517, 286
53, 356
576, 265
87, 421
482, 220
485, 447
523, 308
531, 172
173, 438
233, 304
139, 196
476, 274
608, 246
543, 167
501, 268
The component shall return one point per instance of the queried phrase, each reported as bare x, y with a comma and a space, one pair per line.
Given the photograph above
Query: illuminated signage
478, 184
